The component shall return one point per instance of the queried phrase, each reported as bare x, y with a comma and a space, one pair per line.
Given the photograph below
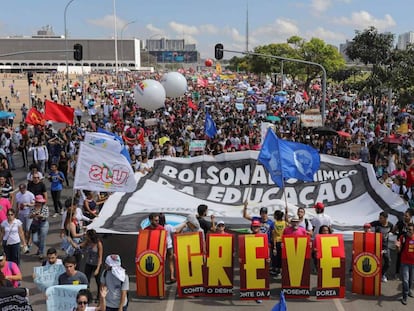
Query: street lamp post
122, 41
66, 48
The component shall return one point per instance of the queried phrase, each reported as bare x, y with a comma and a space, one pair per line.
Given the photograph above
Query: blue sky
208, 22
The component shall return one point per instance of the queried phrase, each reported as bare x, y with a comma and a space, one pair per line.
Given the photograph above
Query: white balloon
174, 83
149, 94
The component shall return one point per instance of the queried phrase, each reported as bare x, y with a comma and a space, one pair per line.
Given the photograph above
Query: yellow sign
367, 264
149, 263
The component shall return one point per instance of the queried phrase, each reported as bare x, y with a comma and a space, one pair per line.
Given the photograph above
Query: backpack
10, 264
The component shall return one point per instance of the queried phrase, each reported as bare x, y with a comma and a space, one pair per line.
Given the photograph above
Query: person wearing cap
303, 222
10, 270
39, 214
24, 201
267, 225
220, 227
385, 227
320, 218
294, 228
116, 280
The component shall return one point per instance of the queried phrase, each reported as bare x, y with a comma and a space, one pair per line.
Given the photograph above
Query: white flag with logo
103, 141
103, 170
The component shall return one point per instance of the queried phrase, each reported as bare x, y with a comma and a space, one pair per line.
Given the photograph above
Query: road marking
171, 299
338, 305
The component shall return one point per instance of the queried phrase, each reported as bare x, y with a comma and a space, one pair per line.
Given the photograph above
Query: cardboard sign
254, 266
296, 260
149, 260
62, 297
46, 276
367, 263
219, 265
197, 145
330, 254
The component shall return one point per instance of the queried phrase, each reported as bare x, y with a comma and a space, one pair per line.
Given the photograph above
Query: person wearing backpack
405, 245
10, 270
115, 279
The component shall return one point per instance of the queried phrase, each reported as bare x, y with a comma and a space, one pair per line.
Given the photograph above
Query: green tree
316, 50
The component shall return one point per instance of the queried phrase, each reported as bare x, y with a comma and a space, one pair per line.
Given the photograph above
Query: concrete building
405, 39
45, 51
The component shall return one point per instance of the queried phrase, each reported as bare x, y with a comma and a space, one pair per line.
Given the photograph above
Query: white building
405, 39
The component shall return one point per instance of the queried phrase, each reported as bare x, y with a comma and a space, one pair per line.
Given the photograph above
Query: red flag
58, 113
34, 117
191, 104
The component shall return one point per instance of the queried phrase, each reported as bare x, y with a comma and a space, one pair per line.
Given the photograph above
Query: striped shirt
6, 189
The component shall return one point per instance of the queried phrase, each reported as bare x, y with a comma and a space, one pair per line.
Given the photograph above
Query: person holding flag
210, 128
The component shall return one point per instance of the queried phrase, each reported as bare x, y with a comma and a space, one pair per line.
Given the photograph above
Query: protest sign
46, 276
62, 297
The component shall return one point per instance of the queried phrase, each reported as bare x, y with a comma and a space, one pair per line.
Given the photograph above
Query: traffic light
77, 53
218, 51
30, 77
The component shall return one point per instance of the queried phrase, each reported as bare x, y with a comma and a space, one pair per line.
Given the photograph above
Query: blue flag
281, 305
210, 127
124, 150
285, 159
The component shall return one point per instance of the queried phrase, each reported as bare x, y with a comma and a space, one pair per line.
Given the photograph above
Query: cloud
209, 29
108, 22
183, 29
320, 6
234, 34
154, 30
363, 20
326, 35
276, 32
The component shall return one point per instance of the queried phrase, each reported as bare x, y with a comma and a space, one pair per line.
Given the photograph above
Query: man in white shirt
24, 201
320, 219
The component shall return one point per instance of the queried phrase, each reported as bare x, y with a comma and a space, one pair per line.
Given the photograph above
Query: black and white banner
350, 191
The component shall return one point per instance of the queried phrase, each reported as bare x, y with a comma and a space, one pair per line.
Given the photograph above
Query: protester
404, 245
36, 186
303, 222
279, 225
267, 225
40, 224
92, 248
10, 270
24, 201
294, 228
400, 229
220, 227
170, 250
383, 226
116, 280
52, 258
56, 178
73, 236
12, 235
84, 300
154, 219
320, 219
71, 276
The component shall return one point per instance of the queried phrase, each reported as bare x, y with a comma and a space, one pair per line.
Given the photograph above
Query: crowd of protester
355, 127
